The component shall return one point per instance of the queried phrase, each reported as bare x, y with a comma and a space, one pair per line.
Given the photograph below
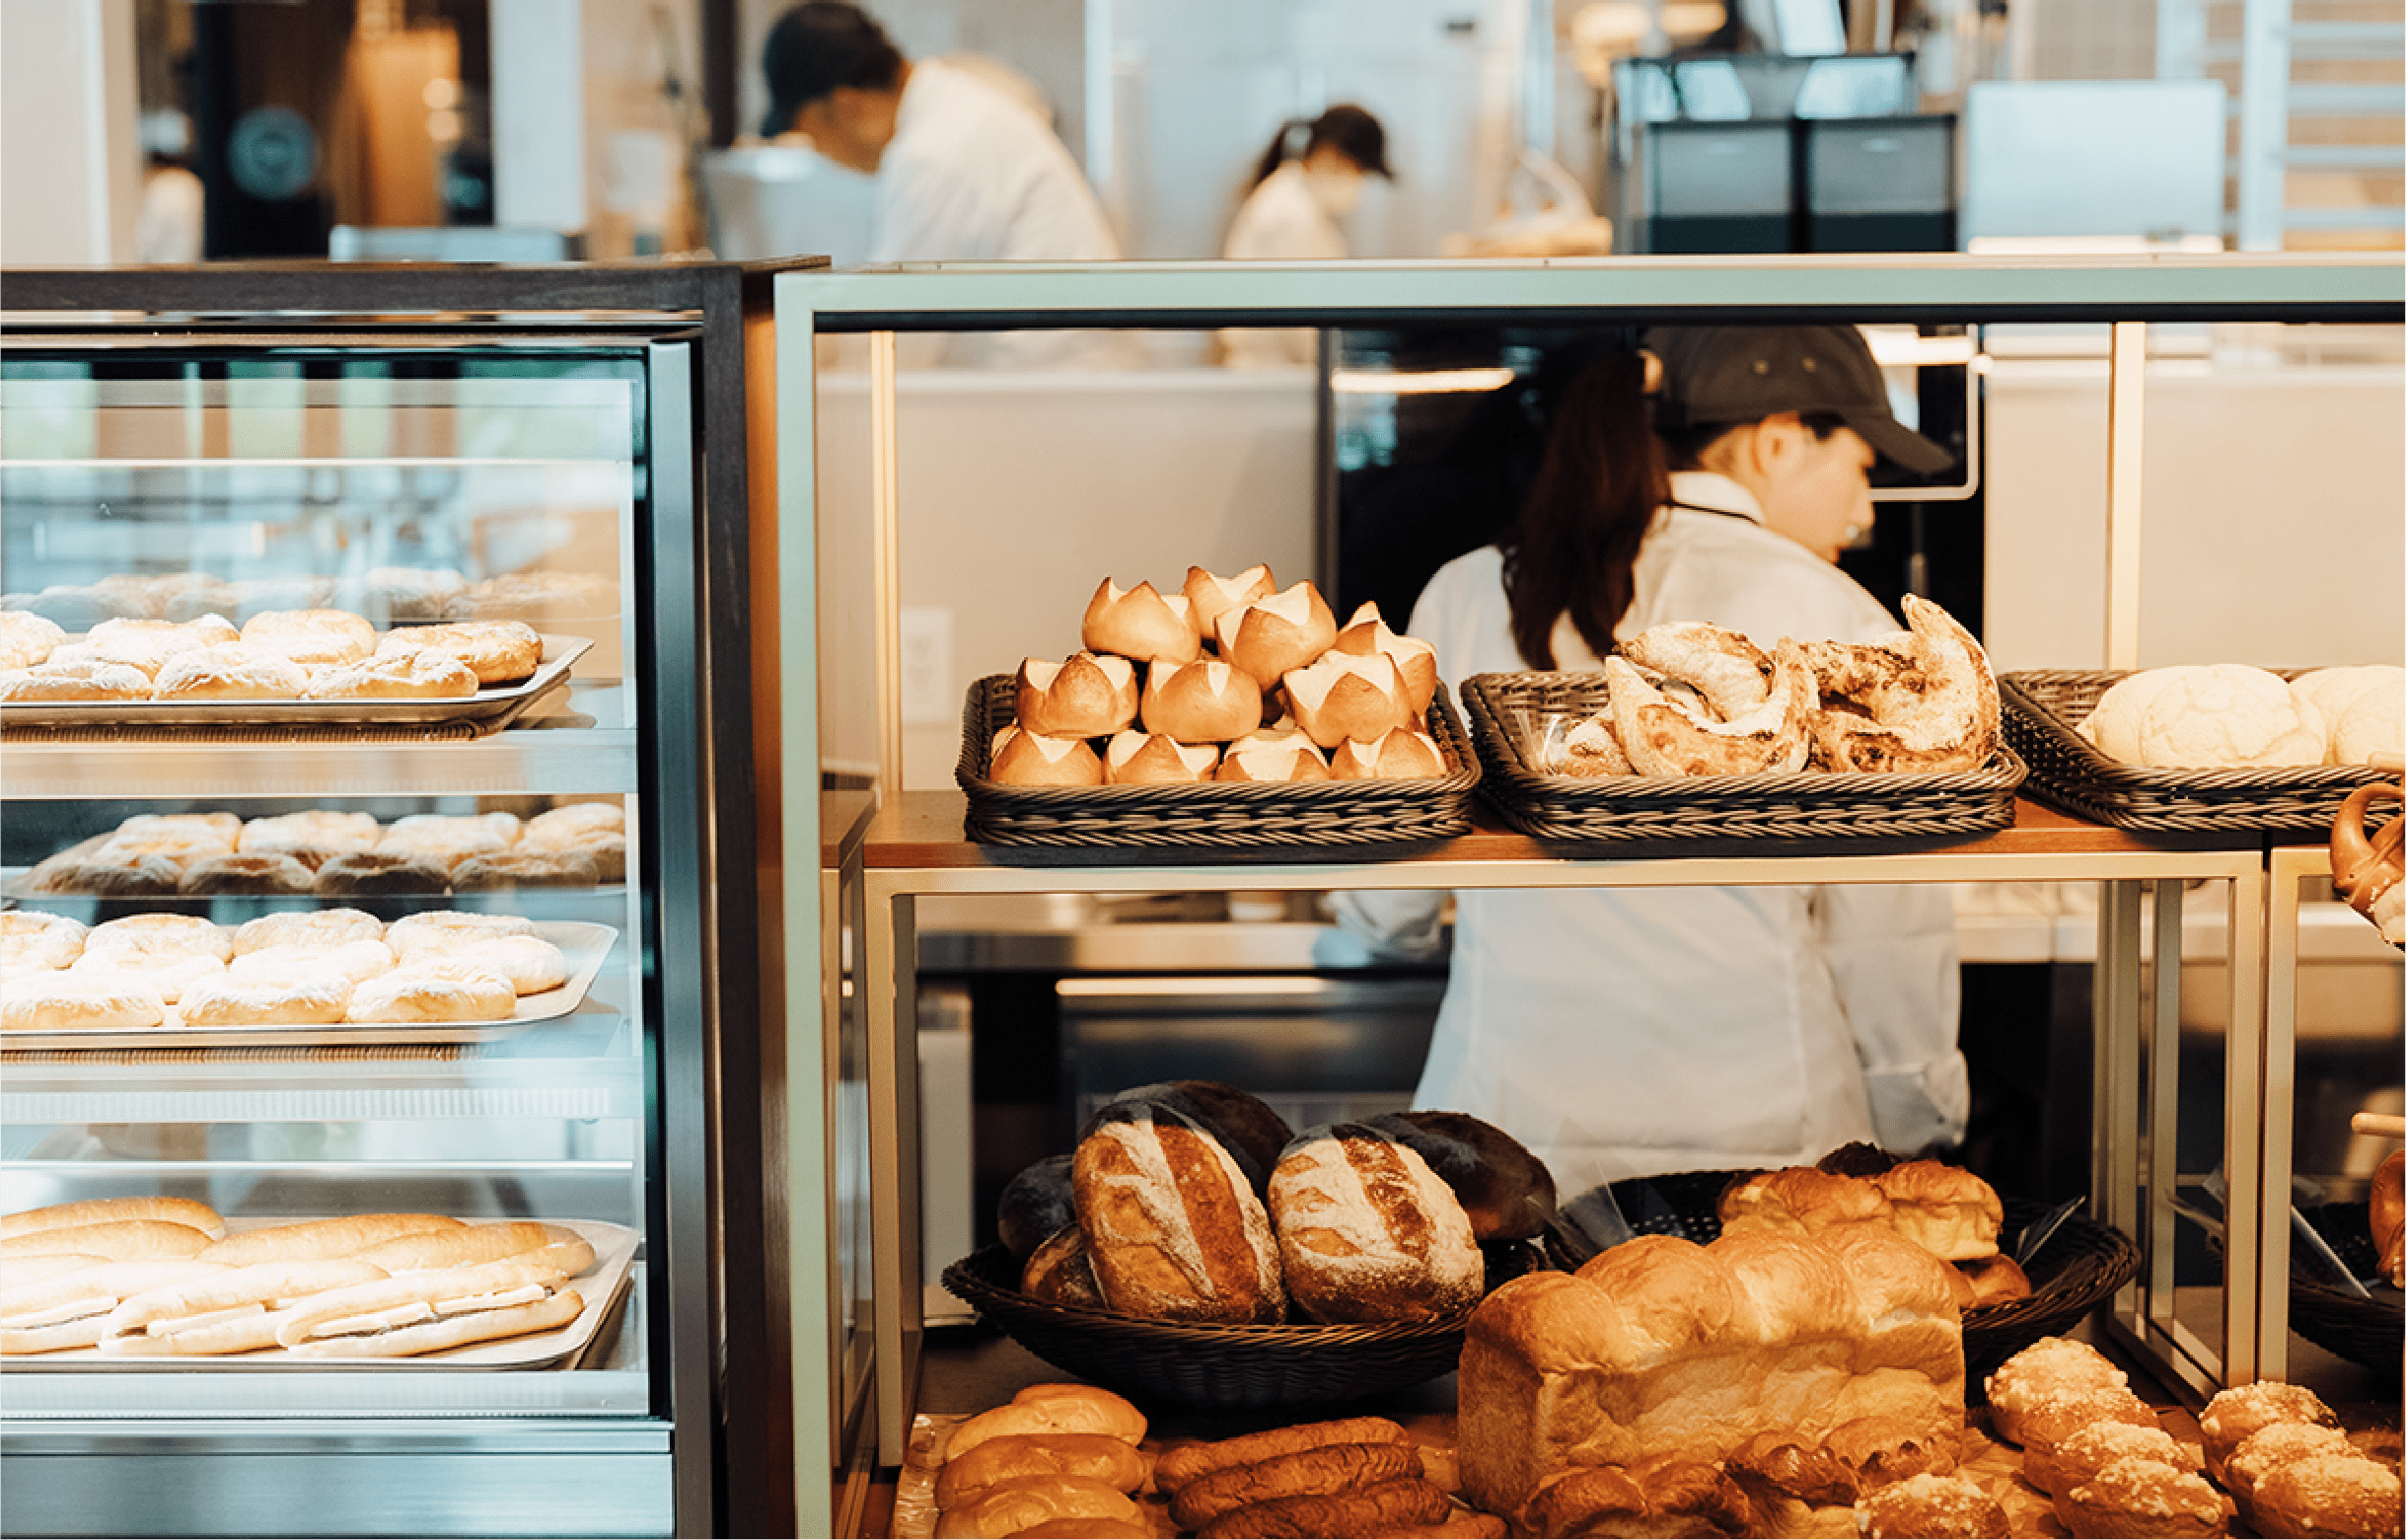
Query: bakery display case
371, 731
884, 845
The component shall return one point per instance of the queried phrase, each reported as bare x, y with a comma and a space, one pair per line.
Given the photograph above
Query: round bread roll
2114, 723
119, 877
256, 873
1035, 1206
1139, 623
2049, 1370
170, 973
1344, 697
311, 635
574, 824
181, 845
500, 652
31, 938
1368, 1232
26, 639
1081, 696
2230, 716
1402, 755
2334, 690
2268, 1449
433, 989
1272, 638
382, 871
443, 930
312, 838
2375, 723
1095, 1456
75, 680
2237, 1415
1052, 1408
396, 675
1505, 1190
229, 674
518, 868
264, 1002
353, 962
1061, 1271
447, 839
1930, 1507
1137, 758
1210, 596
2089, 1451
1247, 1127
1022, 759
73, 1000
1273, 755
607, 854
1174, 1227
2329, 1493
1203, 702
149, 645
531, 964
161, 933
1012, 1507
1415, 661
221, 831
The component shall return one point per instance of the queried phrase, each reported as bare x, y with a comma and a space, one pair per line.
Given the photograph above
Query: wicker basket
2371, 1332
1240, 819
1218, 1368
1822, 808
2043, 706
2079, 1268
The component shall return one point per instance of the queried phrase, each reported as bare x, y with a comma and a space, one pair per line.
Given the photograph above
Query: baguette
110, 1210
71, 1310
495, 1324
32, 1270
317, 1240
236, 1310
121, 1240
1193, 1463
568, 1252
425, 1311
1378, 1510
1326, 1471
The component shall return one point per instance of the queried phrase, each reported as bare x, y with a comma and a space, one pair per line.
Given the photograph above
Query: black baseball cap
817, 46
1712, 375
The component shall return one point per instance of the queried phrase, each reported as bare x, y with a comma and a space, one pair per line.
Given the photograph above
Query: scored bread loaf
1506, 1191
1367, 1232
1052, 1408
1175, 1229
1061, 1271
1660, 1346
1328, 1470
1096, 1456
1192, 1462
1247, 1127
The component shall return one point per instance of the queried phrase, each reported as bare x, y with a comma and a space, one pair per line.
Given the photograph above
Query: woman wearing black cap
1630, 1032
1309, 180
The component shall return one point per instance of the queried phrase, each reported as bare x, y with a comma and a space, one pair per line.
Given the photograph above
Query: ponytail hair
1279, 152
1574, 550
1346, 128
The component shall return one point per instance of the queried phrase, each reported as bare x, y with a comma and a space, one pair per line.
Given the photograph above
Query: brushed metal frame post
2256, 1210
2161, 1173
2290, 865
888, 966
885, 527
2114, 1107
2125, 441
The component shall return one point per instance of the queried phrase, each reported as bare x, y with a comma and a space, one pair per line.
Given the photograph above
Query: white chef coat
1280, 221
1629, 1032
973, 175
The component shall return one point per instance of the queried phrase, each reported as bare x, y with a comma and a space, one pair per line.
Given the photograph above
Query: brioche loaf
2062, 1466
2329, 1493
2237, 1415
1662, 1347
1367, 1232
1942, 1208
1176, 1232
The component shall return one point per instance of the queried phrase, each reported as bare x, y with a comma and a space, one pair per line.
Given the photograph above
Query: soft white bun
149, 644
266, 1002
1022, 759
1346, 695
55, 1000
1210, 596
161, 933
2375, 723
2230, 716
2335, 689
27, 638
1273, 755
1271, 636
311, 636
314, 928
170, 973
427, 675
1081, 696
1415, 661
440, 930
573, 823
434, 989
352, 962
1402, 755
231, 673
1137, 758
449, 838
223, 829
29, 938
2113, 723
1138, 622
89, 678
311, 837
1203, 702
531, 962
500, 652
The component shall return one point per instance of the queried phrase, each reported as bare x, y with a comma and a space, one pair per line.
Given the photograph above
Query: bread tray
614, 1255
1240, 820
503, 702
1511, 713
2077, 1269
2044, 706
585, 946
1218, 1368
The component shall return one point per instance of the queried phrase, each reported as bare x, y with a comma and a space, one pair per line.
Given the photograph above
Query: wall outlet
929, 693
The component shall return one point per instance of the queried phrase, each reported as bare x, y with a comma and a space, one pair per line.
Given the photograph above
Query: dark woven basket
2371, 1332
2080, 1265
1814, 806
2043, 706
1241, 819
1217, 1368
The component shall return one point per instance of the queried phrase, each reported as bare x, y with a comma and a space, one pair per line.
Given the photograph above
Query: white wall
70, 159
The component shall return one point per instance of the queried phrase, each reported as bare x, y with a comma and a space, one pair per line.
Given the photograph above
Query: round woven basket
2080, 1265
1217, 1369
2371, 1332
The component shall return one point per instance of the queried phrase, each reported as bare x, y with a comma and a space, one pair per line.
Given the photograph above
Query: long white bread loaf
236, 1310
1659, 1346
108, 1210
420, 1312
565, 1250
315, 1240
72, 1309
118, 1240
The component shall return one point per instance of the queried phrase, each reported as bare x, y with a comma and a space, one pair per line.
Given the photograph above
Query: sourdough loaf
1174, 1228
1367, 1232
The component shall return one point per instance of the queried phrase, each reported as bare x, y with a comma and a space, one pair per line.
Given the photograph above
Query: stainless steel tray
503, 701
19, 884
586, 947
614, 1255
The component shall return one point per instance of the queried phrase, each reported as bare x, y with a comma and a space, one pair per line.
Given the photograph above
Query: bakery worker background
968, 168
1309, 180
1630, 1032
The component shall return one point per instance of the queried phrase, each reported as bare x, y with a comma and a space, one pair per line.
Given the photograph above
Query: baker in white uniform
967, 167
1630, 1032
1310, 179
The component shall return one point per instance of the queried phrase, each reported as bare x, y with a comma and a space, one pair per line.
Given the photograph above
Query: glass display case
374, 650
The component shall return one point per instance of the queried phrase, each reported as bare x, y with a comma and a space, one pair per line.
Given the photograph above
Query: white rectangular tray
585, 946
614, 1255
493, 701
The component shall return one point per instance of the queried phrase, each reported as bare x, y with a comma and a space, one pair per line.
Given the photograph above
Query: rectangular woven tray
1244, 818
1809, 806
2043, 706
